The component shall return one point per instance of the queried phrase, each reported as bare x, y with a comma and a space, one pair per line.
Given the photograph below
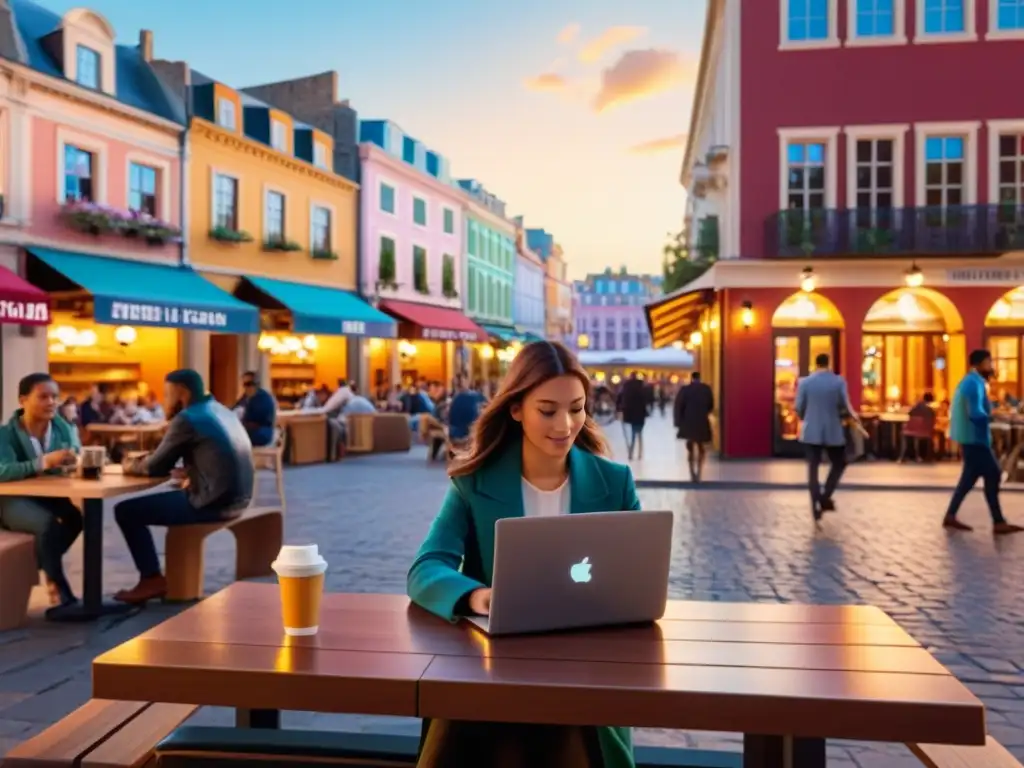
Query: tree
678, 267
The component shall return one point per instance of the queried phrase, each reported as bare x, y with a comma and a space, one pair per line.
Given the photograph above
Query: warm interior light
677, 345
267, 342
125, 335
616, 379
914, 277
807, 280
747, 315
86, 338
696, 338
583, 341
309, 342
406, 348
487, 352
293, 344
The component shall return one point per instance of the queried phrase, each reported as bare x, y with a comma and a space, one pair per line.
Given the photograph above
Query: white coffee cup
300, 574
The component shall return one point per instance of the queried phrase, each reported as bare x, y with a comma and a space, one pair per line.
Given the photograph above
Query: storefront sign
332, 326
119, 312
353, 328
24, 312
986, 275
443, 334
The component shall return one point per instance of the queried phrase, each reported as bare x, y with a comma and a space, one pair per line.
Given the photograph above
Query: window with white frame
226, 117
1007, 16
273, 217
1011, 169
808, 21
874, 180
225, 202
142, 188
320, 155
875, 18
79, 182
278, 136
944, 17
805, 183
944, 171
87, 67
321, 221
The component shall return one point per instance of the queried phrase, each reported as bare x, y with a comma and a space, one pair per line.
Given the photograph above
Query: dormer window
278, 136
226, 114
87, 68
320, 155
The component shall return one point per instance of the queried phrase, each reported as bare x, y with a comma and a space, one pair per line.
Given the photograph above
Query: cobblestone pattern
960, 595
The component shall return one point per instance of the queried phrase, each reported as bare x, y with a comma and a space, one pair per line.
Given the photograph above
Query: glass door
795, 351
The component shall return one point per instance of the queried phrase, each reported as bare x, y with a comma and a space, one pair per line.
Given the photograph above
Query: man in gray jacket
822, 403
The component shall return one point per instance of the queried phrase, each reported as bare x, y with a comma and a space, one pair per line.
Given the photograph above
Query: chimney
146, 44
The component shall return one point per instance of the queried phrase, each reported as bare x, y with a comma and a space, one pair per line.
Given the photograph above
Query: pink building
412, 256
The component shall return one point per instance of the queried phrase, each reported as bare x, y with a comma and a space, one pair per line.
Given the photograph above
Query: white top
538, 503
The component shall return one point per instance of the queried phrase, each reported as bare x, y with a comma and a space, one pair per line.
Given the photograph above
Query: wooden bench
259, 534
19, 572
101, 734
992, 755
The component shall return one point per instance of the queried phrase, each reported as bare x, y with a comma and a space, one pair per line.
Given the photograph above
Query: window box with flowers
149, 228
226, 235
280, 244
419, 270
324, 253
91, 218
448, 277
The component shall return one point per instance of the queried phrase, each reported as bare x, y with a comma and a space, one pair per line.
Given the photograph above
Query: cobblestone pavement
960, 595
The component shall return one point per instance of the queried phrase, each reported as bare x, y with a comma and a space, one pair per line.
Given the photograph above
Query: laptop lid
581, 570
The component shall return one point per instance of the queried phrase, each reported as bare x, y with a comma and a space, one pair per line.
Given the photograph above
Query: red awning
422, 321
21, 303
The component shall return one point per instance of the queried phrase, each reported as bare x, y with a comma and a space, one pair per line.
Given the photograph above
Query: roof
136, 83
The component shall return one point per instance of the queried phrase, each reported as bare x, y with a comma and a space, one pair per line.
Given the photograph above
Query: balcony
979, 230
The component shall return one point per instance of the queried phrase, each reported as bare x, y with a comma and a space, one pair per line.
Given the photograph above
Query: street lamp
807, 281
747, 315
914, 277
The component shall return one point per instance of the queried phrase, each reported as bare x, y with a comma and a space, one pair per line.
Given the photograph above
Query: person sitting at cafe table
535, 451
217, 478
259, 411
95, 409
37, 441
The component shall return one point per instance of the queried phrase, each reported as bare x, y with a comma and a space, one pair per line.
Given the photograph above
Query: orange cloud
548, 81
569, 34
663, 144
638, 74
610, 38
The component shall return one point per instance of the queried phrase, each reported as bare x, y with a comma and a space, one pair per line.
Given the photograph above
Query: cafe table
144, 432
787, 676
93, 493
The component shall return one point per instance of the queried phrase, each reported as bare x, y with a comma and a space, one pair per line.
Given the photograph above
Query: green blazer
18, 459
457, 556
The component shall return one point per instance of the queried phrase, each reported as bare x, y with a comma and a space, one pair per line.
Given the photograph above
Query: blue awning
318, 309
506, 334
126, 292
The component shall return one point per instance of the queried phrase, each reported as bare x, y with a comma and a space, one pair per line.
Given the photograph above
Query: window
226, 114
471, 240
273, 217
471, 286
225, 203
78, 174
87, 67
142, 189
808, 21
806, 175
419, 211
278, 136
944, 170
1008, 15
387, 198
320, 155
874, 180
942, 20
321, 225
1011, 169
876, 18
449, 221
419, 269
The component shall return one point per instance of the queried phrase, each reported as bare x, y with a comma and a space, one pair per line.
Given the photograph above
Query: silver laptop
584, 570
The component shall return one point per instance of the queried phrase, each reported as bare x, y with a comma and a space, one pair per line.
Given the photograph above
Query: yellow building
557, 297
269, 221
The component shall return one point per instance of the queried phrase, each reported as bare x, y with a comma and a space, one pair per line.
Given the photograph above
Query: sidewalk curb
760, 485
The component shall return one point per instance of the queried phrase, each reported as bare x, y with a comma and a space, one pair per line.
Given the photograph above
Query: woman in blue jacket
535, 450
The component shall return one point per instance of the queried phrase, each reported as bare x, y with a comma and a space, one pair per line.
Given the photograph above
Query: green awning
506, 334
126, 292
319, 309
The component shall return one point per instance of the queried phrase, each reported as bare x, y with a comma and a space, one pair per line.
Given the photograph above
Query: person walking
634, 403
970, 419
822, 403
692, 420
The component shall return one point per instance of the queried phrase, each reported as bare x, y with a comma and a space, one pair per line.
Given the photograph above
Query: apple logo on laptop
580, 572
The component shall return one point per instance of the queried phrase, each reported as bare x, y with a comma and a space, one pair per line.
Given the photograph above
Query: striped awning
674, 317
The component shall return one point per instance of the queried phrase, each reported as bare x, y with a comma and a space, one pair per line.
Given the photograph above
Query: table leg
258, 718
782, 752
92, 606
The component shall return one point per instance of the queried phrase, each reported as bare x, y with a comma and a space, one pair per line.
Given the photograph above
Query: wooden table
143, 431
788, 676
113, 483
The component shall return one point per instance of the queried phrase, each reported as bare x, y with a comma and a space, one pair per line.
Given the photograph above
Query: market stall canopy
673, 317
128, 292
21, 302
667, 357
423, 321
318, 309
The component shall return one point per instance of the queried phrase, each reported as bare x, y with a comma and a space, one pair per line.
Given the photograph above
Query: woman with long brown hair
535, 450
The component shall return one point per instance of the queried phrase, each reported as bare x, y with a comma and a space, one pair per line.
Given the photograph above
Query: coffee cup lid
298, 556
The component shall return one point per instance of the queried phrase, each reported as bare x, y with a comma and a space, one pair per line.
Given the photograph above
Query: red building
858, 167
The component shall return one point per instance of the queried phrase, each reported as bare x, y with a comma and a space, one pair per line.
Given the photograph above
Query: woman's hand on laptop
480, 601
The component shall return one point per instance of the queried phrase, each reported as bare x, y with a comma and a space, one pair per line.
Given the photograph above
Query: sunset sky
572, 111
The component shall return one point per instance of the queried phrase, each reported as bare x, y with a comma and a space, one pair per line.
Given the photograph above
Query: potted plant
280, 244
324, 253
227, 235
